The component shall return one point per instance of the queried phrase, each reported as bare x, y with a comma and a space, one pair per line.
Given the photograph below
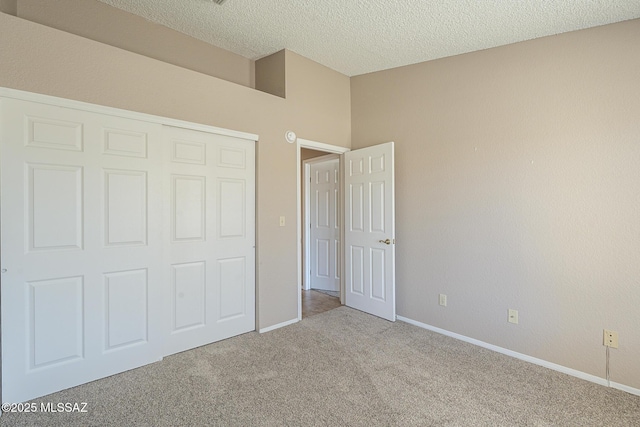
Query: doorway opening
319, 228
367, 262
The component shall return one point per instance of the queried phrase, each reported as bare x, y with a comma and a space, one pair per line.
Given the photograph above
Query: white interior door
211, 249
81, 294
370, 230
324, 225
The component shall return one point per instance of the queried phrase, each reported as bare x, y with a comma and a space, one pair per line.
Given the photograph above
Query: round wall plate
290, 136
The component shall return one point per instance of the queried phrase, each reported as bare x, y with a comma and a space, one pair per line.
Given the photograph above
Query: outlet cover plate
610, 338
442, 300
513, 316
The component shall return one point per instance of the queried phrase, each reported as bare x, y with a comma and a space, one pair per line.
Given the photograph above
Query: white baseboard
278, 326
625, 388
534, 360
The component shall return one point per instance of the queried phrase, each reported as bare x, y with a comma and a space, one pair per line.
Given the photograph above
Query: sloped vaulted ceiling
361, 36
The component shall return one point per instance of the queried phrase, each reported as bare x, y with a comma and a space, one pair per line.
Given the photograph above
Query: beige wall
101, 22
44, 60
518, 186
270, 74
307, 153
9, 6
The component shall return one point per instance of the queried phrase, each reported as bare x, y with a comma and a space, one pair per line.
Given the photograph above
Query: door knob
386, 242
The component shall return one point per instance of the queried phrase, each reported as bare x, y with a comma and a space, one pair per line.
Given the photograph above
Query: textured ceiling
361, 36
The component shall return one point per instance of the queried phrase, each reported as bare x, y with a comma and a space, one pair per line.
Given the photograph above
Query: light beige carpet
340, 368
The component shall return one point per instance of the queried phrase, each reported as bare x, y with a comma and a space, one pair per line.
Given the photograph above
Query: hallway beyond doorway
315, 302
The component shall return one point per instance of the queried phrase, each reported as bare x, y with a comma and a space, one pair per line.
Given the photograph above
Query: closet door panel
81, 298
212, 181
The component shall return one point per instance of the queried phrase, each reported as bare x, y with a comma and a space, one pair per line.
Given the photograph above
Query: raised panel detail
232, 287
377, 200
323, 257
188, 295
356, 198
188, 208
55, 134
232, 210
54, 199
322, 208
189, 152
125, 308
232, 158
125, 207
323, 177
376, 164
378, 285
337, 260
357, 270
336, 208
356, 167
125, 143
56, 321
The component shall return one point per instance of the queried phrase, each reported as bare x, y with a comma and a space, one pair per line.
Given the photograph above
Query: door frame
329, 149
306, 164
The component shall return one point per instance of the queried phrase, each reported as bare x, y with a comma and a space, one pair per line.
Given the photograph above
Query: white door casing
92, 233
324, 224
370, 230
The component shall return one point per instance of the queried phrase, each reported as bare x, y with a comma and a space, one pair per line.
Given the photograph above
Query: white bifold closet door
123, 241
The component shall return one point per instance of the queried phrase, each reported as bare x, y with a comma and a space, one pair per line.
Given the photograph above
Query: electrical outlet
443, 300
610, 338
281, 221
513, 316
